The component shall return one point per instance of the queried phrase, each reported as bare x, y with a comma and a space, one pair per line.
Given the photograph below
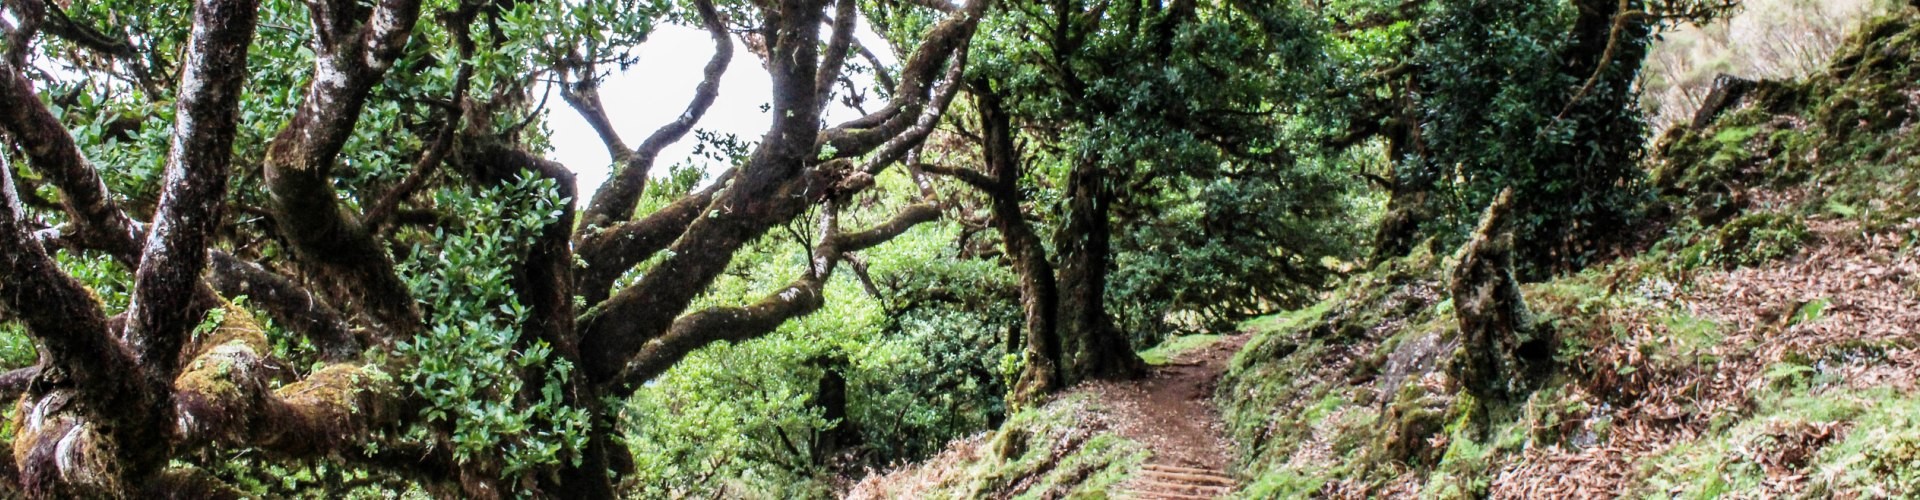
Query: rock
1727, 92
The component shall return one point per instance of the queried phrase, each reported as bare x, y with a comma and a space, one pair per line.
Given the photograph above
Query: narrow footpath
1171, 411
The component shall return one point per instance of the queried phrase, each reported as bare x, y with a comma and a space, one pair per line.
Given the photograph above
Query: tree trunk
831, 399
1039, 294
1408, 208
1068, 337
604, 456
1407, 199
1502, 349
1091, 345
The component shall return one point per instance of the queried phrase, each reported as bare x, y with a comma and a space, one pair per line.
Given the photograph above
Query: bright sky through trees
656, 91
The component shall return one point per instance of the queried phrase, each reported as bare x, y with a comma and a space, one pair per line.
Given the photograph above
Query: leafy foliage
471, 360
1499, 108
1198, 118
919, 363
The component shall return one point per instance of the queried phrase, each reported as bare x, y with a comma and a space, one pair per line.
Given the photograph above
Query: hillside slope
1761, 339
1763, 346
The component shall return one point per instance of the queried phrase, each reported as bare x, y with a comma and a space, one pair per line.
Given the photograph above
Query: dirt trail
1172, 412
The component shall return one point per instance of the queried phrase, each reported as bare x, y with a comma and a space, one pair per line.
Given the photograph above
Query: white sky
656, 90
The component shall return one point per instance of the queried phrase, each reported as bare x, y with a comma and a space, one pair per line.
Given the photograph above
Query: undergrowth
1064, 449
1350, 397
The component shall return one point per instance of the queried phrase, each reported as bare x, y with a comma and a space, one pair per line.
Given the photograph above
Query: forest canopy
259, 247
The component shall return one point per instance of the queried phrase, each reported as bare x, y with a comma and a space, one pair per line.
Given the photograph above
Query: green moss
1414, 417
1735, 137
209, 378
1691, 161
1089, 472
1290, 320
1251, 393
1688, 341
220, 376
1288, 394
1058, 450
1175, 347
1848, 443
1288, 483
1846, 133
1274, 335
1550, 417
1881, 453
1745, 241
234, 324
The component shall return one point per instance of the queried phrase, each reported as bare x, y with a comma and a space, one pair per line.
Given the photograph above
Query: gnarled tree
1146, 139
440, 323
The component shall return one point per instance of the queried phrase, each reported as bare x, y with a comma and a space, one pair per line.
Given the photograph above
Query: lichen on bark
1501, 349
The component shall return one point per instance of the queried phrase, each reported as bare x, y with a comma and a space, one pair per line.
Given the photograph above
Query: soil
1865, 282
1171, 411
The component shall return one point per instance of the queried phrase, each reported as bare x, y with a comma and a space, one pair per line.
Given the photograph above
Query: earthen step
1191, 485
1181, 487
1155, 481
1208, 493
1149, 485
1176, 468
1165, 496
1187, 477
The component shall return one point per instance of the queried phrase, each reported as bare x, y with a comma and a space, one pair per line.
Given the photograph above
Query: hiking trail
1171, 411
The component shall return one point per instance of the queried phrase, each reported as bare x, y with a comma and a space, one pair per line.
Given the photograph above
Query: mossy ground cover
1648, 386
1175, 346
1761, 346
1064, 449
1839, 143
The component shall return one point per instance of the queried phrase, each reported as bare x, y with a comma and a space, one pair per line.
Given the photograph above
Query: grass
1063, 449
1844, 442
1174, 347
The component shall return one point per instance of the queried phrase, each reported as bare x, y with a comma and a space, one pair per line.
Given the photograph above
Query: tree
1471, 98
1117, 119
471, 341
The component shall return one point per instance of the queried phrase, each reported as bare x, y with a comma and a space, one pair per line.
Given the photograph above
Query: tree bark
1067, 337
1502, 349
1091, 345
50, 149
92, 374
288, 304
1408, 205
614, 202
164, 309
110, 414
1039, 294
351, 56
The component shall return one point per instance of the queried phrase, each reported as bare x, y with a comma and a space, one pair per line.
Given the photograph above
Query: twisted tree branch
300, 158
614, 202
799, 298
783, 177
163, 310
50, 149
287, 303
